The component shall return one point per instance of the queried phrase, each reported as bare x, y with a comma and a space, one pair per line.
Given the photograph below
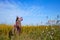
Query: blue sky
33, 11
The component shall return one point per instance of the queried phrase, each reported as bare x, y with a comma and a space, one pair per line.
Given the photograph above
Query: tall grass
32, 32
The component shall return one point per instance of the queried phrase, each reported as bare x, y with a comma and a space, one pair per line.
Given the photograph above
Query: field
32, 32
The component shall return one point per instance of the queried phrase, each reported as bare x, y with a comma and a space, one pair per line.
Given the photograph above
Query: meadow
31, 32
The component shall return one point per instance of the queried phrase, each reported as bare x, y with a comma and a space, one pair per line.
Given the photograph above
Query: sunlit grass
32, 32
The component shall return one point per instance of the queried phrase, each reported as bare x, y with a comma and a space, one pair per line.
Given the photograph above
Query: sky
33, 11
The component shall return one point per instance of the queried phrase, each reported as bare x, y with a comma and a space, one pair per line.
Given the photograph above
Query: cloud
10, 9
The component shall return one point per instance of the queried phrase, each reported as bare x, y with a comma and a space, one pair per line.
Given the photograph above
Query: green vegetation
32, 32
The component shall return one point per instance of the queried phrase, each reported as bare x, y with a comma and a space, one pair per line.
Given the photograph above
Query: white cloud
9, 11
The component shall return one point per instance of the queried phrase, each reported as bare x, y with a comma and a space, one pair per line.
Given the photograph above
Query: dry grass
32, 32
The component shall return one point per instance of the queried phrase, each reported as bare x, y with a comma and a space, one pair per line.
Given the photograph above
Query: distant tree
58, 17
57, 22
